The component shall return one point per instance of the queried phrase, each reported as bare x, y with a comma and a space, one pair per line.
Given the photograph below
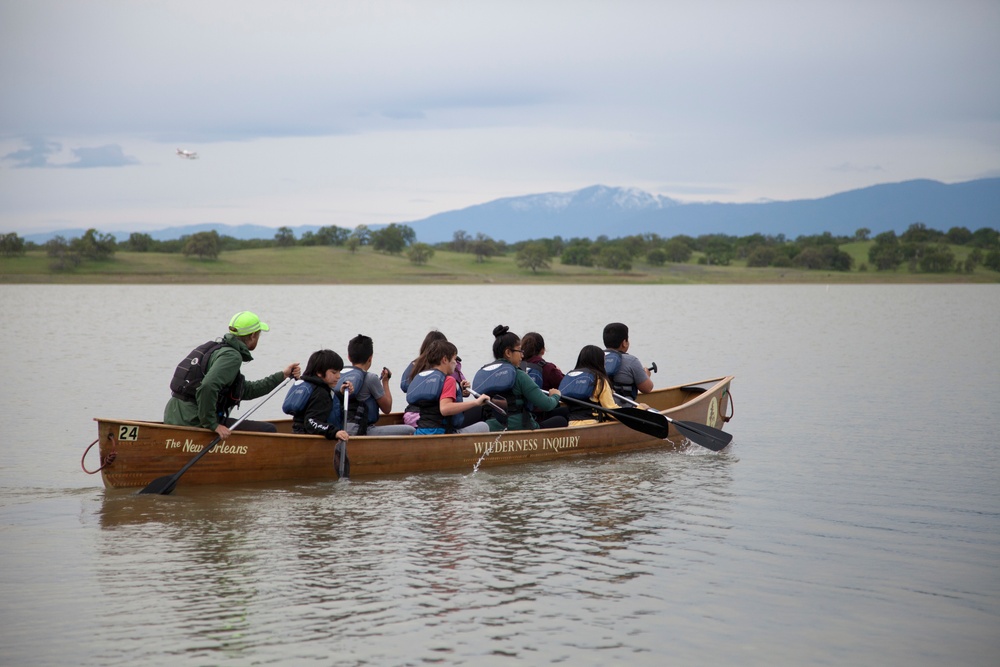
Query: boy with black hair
628, 376
371, 392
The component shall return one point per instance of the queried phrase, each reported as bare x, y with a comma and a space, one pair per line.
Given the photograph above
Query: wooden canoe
134, 453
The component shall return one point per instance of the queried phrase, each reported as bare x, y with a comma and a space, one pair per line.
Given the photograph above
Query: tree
94, 246
985, 238
11, 245
460, 241
656, 257
332, 235
992, 260
615, 257
937, 258
959, 235
64, 257
533, 256
577, 253
483, 246
762, 256
886, 253
204, 245
363, 234
420, 253
862, 234
138, 242
677, 250
285, 237
392, 239
353, 243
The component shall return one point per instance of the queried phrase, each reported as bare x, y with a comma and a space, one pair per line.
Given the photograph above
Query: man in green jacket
207, 384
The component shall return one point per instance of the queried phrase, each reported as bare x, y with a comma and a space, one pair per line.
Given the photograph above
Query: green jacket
524, 389
223, 367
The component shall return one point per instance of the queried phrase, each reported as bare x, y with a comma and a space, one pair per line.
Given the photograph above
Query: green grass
335, 265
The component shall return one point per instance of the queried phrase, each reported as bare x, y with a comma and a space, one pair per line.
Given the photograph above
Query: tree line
923, 249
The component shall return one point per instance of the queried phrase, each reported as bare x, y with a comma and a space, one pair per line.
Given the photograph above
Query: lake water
854, 521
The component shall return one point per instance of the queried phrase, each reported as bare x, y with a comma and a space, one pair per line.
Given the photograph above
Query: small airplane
190, 155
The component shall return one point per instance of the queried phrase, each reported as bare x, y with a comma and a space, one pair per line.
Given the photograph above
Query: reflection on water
466, 559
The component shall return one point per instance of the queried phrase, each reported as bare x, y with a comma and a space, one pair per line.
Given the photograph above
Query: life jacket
534, 371
363, 413
612, 363
404, 382
497, 379
424, 393
298, 396
580, 384
190, 373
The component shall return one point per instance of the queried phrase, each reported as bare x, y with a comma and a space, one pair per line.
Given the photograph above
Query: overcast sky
372, 112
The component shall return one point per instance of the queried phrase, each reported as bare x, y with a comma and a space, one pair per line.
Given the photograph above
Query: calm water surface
855, 520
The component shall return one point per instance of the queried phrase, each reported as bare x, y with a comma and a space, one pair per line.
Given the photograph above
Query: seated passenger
628, 376
314, 406
410, 415
545, 373
371, 392
436, 396
504, 378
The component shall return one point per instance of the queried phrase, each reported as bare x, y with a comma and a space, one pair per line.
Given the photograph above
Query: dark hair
430, 338
532, 343
321, 361
360, 349
615, 334
436, 352
503, 340
591, 358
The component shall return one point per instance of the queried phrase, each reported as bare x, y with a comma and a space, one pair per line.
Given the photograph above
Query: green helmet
246, 323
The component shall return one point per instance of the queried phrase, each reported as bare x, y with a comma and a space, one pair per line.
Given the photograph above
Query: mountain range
615, 212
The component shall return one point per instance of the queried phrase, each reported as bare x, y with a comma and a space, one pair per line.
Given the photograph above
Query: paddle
165, 485
340, 462
650, 423
706, 436
492, 404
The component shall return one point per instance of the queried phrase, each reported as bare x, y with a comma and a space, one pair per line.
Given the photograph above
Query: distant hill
615, 212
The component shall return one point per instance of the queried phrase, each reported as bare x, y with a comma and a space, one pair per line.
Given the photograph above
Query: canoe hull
134, 453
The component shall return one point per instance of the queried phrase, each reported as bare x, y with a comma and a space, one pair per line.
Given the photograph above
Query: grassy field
336, 265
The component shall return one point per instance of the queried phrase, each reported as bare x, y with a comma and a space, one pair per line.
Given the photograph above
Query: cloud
39, 151
110, 155
35, 155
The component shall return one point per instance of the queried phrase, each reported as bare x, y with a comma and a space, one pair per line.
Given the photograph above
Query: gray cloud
39, 151
36, 155
110, 155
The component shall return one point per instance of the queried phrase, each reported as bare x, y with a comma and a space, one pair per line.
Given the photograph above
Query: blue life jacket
404, 382
363, 413
298, 396
425, 393
497, 379
612, 363
578, 384
534, 371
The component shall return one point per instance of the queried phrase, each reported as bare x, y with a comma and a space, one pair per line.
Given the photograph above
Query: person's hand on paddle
386, 375
348, 387
554, 392
223, 431
292, 370
466, 385
340, 435
482, 398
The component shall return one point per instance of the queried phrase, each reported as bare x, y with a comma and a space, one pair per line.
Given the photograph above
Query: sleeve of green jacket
531, 392
223, 368
263, 386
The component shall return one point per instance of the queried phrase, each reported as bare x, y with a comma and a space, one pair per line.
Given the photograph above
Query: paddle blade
161, 485
340, 461
706, 436
650, 423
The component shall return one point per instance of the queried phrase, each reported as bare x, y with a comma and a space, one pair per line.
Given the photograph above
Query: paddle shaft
638, 420
492, 404
165, 485
341, 446
704, 435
